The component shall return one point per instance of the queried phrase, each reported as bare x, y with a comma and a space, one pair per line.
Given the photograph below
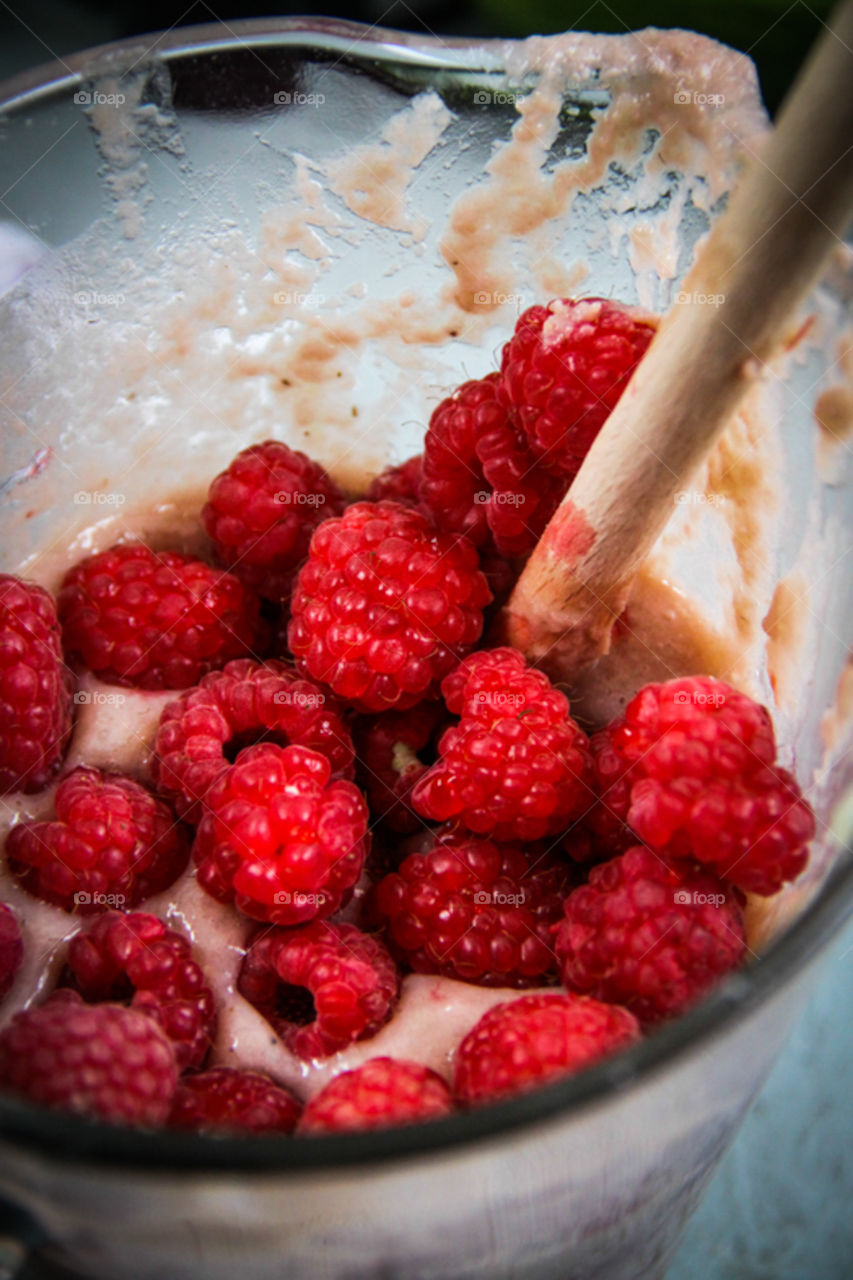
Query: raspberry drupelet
11, 948
380, 1093
35, 687
111, 842
516, 766
691, 768
651, 935
320, 986
279, 838
135, 958
471, 909
385, 606
156, 619
526, 1042
204, 729
563, 371
225, 1100
261, 511
400, 483
104, 1061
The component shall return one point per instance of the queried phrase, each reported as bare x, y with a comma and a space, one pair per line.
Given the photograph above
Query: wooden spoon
787, 213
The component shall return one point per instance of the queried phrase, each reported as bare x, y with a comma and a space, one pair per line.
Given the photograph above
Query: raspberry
651, 935
475, 910
111, 840
700, 781
261, 512
525, 1042
393, 752
155, 619
563, 371
398, 484
226, 1100
279, 839
516, 765
479, 476
11, 948
104, 1061
248, 701
381, 1092
135, 958
321, 986
35, 688
385, 606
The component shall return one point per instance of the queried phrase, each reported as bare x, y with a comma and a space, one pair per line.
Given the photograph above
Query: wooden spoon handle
787, 213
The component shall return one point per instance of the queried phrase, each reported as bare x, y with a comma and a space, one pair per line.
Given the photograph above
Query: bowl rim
66, 1138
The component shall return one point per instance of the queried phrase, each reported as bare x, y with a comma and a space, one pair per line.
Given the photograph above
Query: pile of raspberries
375, 791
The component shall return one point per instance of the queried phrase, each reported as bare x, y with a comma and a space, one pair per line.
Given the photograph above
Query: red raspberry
112, 843
226, 1100
516, 765
205, 728
381, 1092
279, 838
135, 958
475, 910
393, 753
11, 948
35, 688
155, 619
650, 935
385, 606
261, 512
321, 986
103, 1061
564, 369
700, 781
479, 476
398, 484
526, 1042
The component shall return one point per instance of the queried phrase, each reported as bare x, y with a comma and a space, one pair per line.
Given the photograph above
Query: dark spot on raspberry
295, 1004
